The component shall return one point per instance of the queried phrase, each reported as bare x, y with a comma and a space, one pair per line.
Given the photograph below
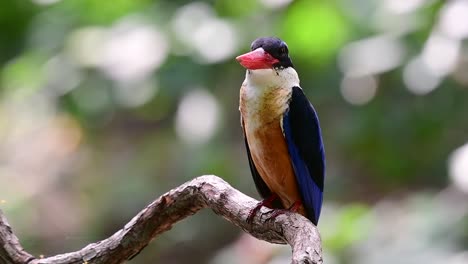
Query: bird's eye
283, 50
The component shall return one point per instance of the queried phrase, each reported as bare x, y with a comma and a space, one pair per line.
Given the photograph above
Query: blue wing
301, 129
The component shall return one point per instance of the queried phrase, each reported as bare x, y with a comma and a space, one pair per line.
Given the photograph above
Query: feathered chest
260, 107
265, 96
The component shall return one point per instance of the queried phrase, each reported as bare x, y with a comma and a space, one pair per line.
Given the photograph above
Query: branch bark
159, 216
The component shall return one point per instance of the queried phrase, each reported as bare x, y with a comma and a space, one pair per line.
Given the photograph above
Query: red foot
293, 208
268, 202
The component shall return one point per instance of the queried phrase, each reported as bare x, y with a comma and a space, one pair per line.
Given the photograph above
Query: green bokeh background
78, 161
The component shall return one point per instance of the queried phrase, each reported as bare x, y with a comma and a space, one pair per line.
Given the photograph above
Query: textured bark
159, 216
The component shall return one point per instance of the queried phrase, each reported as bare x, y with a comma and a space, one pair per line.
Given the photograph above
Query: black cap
276, 48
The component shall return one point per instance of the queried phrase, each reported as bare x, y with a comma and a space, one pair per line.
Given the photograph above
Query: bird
282, 133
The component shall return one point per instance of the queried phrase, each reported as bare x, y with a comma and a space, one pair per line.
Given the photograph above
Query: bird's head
266, 53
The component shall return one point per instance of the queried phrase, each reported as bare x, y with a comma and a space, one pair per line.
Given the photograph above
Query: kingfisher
281, 131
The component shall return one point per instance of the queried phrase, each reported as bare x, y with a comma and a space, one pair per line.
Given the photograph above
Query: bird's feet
293, 208
268, 202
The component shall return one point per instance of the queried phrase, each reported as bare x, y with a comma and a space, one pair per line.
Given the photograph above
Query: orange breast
271, 158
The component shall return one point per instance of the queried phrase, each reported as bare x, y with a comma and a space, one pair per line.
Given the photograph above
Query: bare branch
159, 216
10, 248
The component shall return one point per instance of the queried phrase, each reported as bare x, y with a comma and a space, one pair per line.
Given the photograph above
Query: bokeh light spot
418, 78
458, 167
359, 90
216, 40
360, 57
440, 54
133, 50
187, 20
403, 6
61, 75
85, 45
454, 19
134, 94
197, 117
208, 38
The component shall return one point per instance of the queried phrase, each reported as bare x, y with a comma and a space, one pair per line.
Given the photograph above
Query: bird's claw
267, 202
253, 212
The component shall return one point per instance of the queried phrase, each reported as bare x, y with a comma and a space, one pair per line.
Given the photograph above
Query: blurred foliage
105, 105
350, 225
319, 30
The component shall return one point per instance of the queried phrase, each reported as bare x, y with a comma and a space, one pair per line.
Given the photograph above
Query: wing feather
301, 129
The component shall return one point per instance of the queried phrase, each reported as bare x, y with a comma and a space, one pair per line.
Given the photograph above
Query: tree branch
159, 216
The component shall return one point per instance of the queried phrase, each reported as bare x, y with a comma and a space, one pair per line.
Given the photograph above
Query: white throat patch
267, 78
265, 95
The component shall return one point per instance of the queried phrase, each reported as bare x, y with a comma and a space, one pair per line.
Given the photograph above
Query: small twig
159, 216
